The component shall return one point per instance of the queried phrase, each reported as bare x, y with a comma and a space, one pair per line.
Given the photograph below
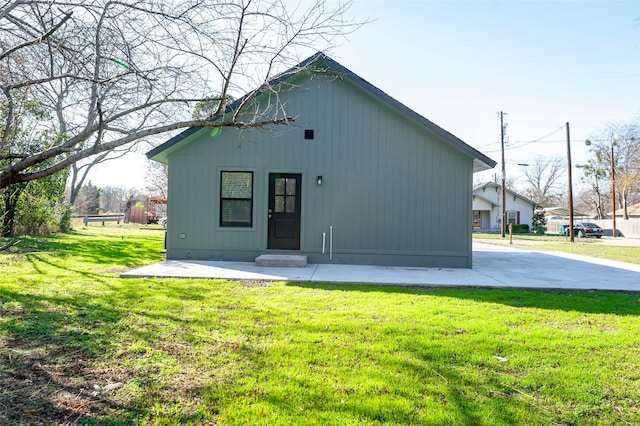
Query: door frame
271, 242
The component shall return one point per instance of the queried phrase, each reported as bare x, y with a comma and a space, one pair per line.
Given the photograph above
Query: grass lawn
584, 246
78, 345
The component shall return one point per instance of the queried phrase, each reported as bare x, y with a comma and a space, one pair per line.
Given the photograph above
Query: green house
355, 178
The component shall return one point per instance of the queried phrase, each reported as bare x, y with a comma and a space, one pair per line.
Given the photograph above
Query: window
285, 195
513, 217
236, 199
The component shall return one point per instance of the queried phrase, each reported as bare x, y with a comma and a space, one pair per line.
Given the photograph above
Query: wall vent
308, 134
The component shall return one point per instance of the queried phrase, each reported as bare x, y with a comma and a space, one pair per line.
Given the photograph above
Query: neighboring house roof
507, 190
485, 199
632, 210
481, 161
563, 212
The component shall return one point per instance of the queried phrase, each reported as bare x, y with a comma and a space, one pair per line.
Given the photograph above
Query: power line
548, 134
525, 143
538, 139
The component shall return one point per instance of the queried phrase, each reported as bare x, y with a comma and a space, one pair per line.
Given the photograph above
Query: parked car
584, 229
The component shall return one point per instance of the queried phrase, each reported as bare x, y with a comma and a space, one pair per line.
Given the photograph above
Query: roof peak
481, 161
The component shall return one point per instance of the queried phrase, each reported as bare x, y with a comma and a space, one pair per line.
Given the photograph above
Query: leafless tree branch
112, 73
36, 40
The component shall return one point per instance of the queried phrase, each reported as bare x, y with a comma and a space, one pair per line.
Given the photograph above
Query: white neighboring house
487, 208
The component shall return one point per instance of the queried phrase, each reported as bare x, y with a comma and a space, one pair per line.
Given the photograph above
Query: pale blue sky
458, 63
543, 63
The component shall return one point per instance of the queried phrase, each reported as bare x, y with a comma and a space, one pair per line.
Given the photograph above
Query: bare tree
592, 199
595, 176
542, 177
622, 140
510, 182
112, 73
79, 171
113, 199
157, 179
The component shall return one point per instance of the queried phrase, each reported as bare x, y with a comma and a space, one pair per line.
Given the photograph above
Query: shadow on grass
46, 358
597, 302
54, 338
51, 352
114, 250
36, 260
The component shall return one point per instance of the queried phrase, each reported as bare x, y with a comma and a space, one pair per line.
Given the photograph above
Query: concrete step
282, 260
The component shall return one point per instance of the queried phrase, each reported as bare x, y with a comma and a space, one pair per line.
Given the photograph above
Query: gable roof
480, 161
508, 191
485, 199
564, 213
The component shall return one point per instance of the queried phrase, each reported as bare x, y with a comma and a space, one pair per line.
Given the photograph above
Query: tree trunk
78, 175
74, 186
598, 203
10, 203
599, 210
127, 211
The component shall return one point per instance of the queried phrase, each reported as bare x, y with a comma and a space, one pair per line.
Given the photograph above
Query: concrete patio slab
222, 270
493, 266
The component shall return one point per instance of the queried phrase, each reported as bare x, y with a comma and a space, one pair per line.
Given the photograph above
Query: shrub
41, 216
539, 221
522, 228
36, 208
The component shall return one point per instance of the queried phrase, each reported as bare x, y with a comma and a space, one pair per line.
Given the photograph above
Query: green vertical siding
389, 187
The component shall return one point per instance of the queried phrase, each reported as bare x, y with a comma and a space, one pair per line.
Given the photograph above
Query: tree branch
37, 40
12, 174
176, 53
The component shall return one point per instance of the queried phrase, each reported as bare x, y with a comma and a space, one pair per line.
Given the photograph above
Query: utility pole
504, 211
613, 190
570, 185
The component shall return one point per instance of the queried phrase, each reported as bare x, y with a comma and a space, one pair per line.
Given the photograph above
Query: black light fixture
319, 181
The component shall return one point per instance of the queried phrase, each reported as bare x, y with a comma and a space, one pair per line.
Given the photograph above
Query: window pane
291, 186
280, 183
236, 211
291, 204
279, 204
236, 184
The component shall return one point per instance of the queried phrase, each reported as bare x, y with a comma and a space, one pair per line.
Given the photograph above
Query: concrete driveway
493, 266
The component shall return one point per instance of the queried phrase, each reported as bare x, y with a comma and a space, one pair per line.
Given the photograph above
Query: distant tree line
93, 200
